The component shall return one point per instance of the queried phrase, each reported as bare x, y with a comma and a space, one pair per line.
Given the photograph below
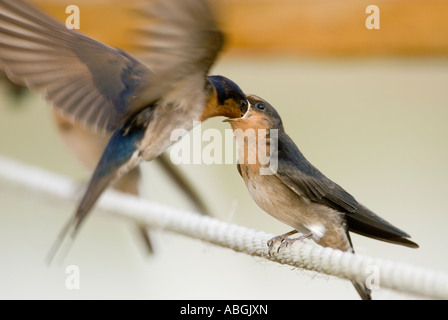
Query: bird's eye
260, 106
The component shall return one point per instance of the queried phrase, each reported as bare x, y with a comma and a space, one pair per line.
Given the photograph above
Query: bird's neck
211, 106
254, 145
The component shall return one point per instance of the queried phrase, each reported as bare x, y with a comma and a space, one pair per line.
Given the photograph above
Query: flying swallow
138, 103
295, 192
88, 146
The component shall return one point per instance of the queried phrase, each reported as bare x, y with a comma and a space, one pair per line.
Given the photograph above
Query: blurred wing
307, 181
95, 84
177, 38
83, 78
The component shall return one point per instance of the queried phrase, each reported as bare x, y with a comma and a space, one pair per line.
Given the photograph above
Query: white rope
398, 276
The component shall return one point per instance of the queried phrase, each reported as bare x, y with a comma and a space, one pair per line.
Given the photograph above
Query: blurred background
369, 108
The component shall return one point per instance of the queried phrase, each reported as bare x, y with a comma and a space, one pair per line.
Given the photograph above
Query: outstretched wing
83, 78
94, 84
177, 38
298, 174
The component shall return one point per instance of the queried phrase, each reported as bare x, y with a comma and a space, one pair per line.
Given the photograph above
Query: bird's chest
264, 189
171, 121
279, 201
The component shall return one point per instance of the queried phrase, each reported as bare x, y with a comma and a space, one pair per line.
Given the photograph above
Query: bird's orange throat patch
230, 108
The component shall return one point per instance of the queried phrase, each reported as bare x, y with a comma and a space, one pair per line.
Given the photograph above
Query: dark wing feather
86, 80
97, 85
298, 174
303, 178
177, 38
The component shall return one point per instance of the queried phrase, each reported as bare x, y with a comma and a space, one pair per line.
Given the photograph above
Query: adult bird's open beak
243, 117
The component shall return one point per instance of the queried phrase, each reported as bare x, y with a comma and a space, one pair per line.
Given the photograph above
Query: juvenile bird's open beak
231, 119
245, 116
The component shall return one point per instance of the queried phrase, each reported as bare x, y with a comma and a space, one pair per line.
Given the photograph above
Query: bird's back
302, 177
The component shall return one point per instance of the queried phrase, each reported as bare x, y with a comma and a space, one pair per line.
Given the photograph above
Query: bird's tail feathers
67, 235
63, 242
362, 290
367, 223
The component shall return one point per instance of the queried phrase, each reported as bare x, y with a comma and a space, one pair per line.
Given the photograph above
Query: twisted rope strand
398, 276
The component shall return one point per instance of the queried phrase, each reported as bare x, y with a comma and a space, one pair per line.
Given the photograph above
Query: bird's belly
285, 205
277, 200
175, 115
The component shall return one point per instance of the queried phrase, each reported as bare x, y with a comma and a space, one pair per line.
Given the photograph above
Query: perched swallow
295, 192
138, 103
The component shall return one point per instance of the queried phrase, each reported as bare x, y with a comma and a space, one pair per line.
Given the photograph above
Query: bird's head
226, 99
259, 115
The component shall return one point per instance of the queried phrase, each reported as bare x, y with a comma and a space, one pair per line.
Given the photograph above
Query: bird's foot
285, 240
